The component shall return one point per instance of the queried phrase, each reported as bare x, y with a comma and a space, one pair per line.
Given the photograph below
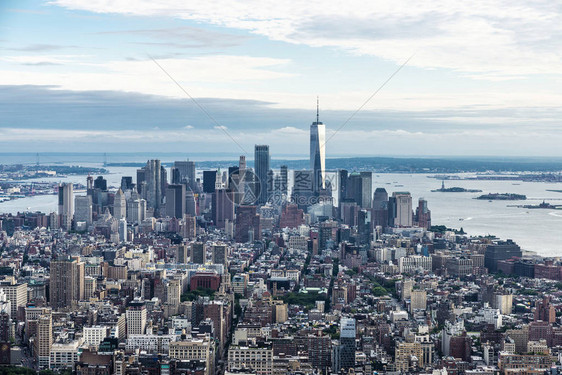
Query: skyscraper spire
317, 109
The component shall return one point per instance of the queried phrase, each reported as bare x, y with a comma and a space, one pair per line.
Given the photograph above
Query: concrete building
403, 202
136, 318
16, 293
199, 348
407, 356
83, 209
66, 283
66, 208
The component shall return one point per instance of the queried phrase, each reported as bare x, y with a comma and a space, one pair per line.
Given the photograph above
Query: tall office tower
380, 198
270, 176
83, 209
209, 179
66, 283
16, 294
366, 189
100, 183
136, 318
423, 214
347, 343
303, 189
181, 253
163, 182
126, 183
391, 212
284, 175
150, 185
119, 205
248, 227
136, 210
380, 207
198, 253
261, 167
318, 151
187, 173
5, 328
342, 189
89, 183
141, 180
359, 188
5, 307
44, 339
175, 176
403, 209
233, 177
66, 209
173, 295
190, 203
223, 207
219, 254
175, 201
122, 230
364, 227
242, 186
242, 163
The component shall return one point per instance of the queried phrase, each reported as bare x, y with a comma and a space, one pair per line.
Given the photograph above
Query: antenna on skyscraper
317, 109
105, 159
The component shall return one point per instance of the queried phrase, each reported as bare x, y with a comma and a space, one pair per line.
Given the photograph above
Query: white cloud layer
482, 38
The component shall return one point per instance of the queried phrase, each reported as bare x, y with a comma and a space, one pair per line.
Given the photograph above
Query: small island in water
503, 197
455, 189
543, 205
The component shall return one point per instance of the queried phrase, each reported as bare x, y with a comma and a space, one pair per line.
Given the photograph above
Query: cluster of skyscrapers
239, 199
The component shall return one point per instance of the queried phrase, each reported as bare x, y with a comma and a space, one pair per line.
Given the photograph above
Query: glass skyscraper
261, 167
318, 152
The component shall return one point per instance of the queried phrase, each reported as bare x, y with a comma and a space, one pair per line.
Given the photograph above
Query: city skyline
482, 79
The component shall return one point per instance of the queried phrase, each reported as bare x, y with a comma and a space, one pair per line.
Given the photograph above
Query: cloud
144, 76
39, 47
43, 60
183, 37
489, 40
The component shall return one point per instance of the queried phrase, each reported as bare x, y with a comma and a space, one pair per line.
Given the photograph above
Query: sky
458, 78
